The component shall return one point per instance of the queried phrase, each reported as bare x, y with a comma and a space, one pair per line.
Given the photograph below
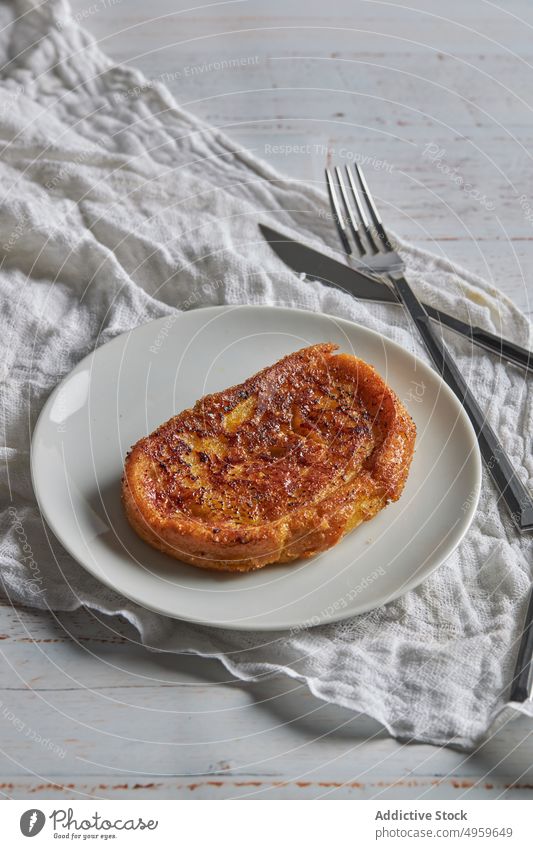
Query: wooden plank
106, 715
221, 787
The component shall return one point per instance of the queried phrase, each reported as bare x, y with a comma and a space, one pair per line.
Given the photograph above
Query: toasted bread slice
277, 468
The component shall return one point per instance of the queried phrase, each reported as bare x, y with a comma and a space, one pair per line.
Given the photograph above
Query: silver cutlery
521, 687
360, 280
373, 234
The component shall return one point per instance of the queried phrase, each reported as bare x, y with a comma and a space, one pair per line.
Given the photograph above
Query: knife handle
513, 492
505, 349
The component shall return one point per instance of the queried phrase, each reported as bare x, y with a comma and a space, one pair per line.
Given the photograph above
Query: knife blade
359, 283
317, 266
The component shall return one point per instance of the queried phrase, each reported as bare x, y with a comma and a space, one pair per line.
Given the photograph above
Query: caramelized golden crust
277, 468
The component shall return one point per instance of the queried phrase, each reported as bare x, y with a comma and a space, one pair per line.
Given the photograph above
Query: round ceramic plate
126, 388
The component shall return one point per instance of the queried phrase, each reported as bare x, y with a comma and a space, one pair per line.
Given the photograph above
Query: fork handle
507, 350
512, 490
520, 687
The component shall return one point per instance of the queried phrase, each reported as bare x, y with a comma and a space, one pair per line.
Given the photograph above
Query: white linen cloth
117, 208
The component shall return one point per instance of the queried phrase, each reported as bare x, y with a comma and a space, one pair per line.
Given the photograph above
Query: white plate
126, 388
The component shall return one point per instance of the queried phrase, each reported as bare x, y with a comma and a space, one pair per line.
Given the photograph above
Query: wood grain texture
86, 711
374, 79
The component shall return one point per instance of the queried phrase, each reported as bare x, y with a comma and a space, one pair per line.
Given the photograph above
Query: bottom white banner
310, 824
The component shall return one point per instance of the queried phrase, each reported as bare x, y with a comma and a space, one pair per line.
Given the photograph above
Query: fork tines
337, 214
370, 224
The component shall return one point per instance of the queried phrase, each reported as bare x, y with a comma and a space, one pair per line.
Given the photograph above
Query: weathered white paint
384, 81
111, 715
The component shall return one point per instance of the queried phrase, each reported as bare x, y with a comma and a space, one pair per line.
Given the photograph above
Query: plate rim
474, 456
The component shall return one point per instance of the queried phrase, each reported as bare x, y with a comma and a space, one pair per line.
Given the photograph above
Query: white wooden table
84, 710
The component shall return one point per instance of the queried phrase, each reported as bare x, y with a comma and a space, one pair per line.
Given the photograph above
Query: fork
379, 263
368, 232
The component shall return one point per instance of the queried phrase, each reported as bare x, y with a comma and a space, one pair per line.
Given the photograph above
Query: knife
360, 284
